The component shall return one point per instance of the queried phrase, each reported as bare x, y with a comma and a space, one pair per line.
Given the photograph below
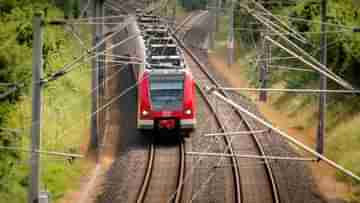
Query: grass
343, 133
65, 124
344, 144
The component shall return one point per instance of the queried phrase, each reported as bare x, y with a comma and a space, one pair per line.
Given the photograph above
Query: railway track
157, 156
163, 178
244, 193
165, 184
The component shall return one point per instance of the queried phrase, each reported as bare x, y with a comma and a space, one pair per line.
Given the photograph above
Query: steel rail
149, 170
269, 172
181, 176
286, 136
235, 166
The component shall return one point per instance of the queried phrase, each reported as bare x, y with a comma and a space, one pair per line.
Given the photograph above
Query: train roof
152, 26
164, 66
155, 30
166, 60
163, 38
163, 74
162, 45
164, 57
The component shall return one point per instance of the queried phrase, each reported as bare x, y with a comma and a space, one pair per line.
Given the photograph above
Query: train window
167, 51
166, 94
169, 62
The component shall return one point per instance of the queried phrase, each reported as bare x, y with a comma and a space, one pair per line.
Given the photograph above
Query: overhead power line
53, 153
69, 67
284, 135
319, 67
299, 91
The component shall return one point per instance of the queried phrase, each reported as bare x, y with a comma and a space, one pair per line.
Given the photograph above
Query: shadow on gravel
168, 138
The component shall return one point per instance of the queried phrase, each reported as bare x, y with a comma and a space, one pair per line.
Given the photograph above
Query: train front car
166, 89
166, 100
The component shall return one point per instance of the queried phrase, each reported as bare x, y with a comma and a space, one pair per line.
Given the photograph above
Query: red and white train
166, 88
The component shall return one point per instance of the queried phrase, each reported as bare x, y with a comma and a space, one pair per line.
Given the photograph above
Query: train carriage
166, 89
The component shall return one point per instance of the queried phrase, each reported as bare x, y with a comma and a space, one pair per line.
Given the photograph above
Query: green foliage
247, 35
343, 140
71, 8
344, 59
68, 98
344, 49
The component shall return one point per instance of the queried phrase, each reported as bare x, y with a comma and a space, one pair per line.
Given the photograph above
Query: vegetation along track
161, 154
245, 182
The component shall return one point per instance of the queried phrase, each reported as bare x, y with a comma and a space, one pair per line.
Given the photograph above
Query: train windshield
166, 94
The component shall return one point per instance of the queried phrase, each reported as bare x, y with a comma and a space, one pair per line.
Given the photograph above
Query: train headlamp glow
188, 112
145, 113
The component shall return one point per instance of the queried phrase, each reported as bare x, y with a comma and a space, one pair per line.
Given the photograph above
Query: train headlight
145, 113
188, 112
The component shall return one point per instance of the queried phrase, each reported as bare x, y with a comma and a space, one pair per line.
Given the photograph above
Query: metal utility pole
95, 81
34, 190
174, 14
264, 68
101, 69
213, 14
217, 7
231, 39
323, 80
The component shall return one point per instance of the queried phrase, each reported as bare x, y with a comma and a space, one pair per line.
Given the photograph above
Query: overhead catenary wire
338, 25
284, 135
53, 114
317, 22
299, 49
195, 165
111, 5
53, 153
69, 67
284, 31
236, 133
46, 152
299, 91
125, 57
323, 69
251, 156
287, 68
112, 17
76, 36
9, 92
302, 38
331, 76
